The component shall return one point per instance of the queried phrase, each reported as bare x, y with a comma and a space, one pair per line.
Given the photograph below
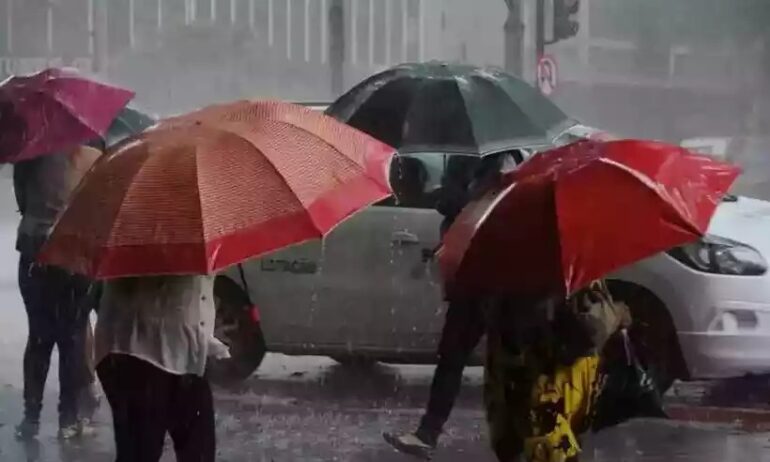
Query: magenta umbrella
54, 110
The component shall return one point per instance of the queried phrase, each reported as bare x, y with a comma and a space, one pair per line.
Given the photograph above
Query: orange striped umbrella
209, 189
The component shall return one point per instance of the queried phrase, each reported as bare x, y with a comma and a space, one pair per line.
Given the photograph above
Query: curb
749, 420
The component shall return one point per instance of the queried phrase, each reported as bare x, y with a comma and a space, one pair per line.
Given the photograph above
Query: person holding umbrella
161, 214
152, 343
549, 373
42, 137
128, 122
464, 322
542, 370
56, 301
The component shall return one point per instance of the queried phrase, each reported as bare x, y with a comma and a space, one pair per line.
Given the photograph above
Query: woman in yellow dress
542, 374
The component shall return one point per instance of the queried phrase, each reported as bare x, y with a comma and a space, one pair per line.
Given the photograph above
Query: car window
417, 178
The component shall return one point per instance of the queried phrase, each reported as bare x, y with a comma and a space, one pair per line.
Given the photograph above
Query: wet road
310, 409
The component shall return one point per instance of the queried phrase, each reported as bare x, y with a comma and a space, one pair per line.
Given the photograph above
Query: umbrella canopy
440, 107
575, 214
200, 192
129, 122
54, 110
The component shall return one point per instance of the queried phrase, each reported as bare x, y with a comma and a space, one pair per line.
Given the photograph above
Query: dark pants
463, 329
57, 315
148, 402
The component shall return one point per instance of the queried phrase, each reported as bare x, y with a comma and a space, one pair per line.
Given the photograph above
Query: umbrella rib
200, 207
67, 112
346, 158
284, 180
344, 108
129, 188
71, 111
327, 143
463, 95
651, 185
67, 107
298, 128
411, 108
566, 282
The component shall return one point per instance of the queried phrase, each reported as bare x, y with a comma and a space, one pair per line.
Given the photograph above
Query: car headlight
718, 255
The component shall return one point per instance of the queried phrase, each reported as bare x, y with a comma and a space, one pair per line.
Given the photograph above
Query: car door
283, 285
370, 286
380, 288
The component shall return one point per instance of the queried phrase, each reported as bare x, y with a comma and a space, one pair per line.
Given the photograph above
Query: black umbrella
450, 108
129, 122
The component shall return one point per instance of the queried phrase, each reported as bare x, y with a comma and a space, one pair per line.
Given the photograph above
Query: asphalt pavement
311, 409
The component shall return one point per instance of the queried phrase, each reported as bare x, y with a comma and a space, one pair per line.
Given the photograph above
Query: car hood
745, 220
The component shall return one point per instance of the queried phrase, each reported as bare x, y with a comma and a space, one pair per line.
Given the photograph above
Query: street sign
547, 74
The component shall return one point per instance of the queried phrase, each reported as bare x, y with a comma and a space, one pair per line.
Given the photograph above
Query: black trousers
462, 332
148, 402
57, 316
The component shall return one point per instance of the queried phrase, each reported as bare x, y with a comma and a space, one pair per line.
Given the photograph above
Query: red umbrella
200, 192
574, 214
54, 110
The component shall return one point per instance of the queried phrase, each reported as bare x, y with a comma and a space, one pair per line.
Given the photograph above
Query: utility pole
514, 38
562, 23
337, 47
100, 37
540, 28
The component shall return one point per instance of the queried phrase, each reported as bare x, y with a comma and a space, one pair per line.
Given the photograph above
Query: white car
714, 295
705, 307
371, 290
708, 303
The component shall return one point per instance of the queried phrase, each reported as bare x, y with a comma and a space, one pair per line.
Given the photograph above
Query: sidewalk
742, 403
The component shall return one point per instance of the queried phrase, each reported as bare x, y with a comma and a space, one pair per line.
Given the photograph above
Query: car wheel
236, 328
653, 334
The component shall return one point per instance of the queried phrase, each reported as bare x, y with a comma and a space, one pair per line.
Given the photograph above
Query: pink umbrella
54, 110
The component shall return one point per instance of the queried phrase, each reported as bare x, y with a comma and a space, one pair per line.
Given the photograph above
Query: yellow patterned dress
542, 373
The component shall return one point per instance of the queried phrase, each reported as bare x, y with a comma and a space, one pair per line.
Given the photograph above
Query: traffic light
564, 25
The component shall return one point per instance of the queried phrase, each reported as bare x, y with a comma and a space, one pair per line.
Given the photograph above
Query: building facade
619, 71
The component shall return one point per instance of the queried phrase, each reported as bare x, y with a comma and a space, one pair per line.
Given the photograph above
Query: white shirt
167, 321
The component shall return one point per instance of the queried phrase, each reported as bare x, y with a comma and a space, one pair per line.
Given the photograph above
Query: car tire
653, 334
236, 328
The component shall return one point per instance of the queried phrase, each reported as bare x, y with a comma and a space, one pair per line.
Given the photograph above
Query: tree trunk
514, 39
